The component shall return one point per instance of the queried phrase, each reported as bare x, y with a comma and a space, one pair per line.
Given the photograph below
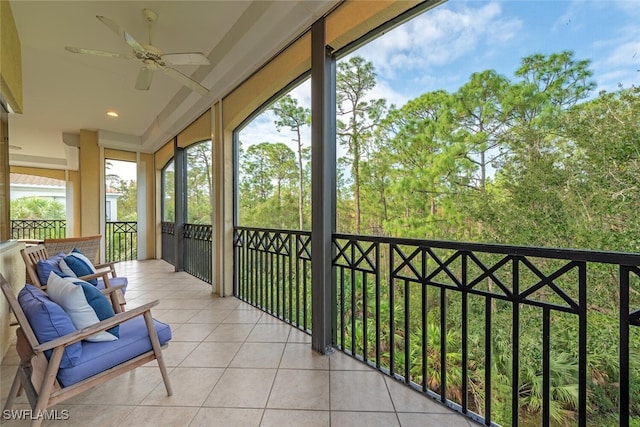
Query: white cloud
620, 67
439, 37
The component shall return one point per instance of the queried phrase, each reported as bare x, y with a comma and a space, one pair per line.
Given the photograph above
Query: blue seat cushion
99, 356
49, 321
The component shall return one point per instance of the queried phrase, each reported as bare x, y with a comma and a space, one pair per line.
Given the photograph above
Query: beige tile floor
233, 365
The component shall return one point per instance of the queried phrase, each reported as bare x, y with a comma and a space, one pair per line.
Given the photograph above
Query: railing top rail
275, 230
606, 257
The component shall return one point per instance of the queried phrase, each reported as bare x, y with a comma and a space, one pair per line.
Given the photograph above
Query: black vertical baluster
364, 317
290, 275
392, 326
546, 387
443, 345
515, 339
261, 268
487, 361
241, 269
407, 330
254, 263
425, 326
377, 319
275, 292
306, 298
624, 346
465, 335
582, 346
297, 278
425, 323
248, 268
353, 299
342, 302
256, 271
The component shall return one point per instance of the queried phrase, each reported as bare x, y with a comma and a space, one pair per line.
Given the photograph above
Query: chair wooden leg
157, 349
16, 386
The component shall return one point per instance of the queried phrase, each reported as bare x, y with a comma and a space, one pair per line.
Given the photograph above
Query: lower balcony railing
38, 229
197, 250
273, 272
507, 335
121, 241
168, 236
195, 253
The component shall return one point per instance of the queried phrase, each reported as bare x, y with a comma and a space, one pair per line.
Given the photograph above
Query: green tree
606, 170
199, 183
267, 185
355, 79
128, 202
37, 208
290, 115
482, 120
429, 169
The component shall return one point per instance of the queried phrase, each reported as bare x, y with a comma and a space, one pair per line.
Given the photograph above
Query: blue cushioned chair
40, 263
55, 361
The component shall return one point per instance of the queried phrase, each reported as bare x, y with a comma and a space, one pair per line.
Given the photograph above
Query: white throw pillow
72, 299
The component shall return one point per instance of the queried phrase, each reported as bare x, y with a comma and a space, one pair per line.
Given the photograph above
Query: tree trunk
300, 184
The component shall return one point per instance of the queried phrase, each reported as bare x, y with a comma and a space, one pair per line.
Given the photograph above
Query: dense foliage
37, 208
536, 159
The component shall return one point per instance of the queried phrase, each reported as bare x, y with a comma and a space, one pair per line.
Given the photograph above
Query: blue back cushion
45, 266
49, 321
77, 264
99, 302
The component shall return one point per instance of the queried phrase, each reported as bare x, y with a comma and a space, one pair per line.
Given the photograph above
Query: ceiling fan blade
144, 78
186, 58
186, 81
128, 38
97, 52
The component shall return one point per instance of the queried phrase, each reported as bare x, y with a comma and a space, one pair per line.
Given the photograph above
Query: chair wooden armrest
107, 266
104, 275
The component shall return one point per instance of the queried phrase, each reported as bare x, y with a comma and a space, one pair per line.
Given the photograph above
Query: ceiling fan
151, 57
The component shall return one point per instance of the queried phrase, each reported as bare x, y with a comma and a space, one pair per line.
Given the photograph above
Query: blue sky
441, 48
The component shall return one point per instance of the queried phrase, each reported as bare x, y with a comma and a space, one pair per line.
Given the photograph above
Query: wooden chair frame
32, 254
37, 375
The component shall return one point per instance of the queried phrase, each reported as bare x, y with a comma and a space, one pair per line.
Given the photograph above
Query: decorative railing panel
121, 241
273, 272
197, 257
38, 229
168, 237
499, 333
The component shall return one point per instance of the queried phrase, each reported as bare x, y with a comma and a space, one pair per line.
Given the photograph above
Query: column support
323, 195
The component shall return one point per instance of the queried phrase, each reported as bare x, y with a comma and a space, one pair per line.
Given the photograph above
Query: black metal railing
506, 335
197, 251
498, 333
121, 241
273, 272
38, 229
168, 236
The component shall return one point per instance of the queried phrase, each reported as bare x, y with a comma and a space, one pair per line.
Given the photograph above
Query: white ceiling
66, 92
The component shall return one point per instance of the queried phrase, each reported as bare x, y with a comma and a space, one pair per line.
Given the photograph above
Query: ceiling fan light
112, 113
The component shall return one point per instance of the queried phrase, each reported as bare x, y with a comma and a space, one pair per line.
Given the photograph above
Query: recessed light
111, 113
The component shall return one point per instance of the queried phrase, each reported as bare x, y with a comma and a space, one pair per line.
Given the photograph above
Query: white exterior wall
60, 194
